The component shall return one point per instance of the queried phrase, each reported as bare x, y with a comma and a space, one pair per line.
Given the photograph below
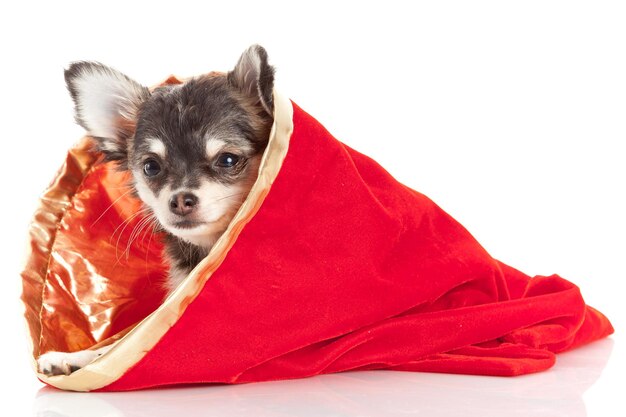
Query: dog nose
183, 203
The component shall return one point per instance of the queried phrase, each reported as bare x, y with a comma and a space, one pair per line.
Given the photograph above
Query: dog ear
106, 104
254, 76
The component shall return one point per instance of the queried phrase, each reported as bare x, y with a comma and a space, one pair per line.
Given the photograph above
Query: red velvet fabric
344, 268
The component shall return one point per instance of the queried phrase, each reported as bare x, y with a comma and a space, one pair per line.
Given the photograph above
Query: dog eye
151, 168
227, 160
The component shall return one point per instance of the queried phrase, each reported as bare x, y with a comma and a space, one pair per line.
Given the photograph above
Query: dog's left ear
106, 105
254, 76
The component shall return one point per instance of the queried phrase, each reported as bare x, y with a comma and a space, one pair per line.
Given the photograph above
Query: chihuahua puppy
193, 150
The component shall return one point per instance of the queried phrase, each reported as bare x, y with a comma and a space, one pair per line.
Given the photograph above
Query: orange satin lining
88, 228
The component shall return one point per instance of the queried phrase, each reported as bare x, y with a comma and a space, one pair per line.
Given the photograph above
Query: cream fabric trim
131, 348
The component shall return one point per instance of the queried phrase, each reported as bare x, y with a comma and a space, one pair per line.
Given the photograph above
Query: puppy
193, 150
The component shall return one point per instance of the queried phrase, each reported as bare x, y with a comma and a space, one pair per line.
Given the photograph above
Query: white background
510, 115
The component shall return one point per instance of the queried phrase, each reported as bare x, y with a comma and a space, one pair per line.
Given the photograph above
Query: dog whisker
231, 196
125, 224
137, 230
111, 205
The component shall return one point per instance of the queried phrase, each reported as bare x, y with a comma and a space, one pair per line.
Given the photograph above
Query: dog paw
64, 363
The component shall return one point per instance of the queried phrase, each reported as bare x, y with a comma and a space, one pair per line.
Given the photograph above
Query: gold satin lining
43, 230
61, 283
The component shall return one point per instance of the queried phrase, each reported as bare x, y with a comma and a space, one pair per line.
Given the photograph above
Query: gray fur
235, 108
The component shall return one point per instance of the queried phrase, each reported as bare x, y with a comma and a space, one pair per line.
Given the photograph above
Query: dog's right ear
255, 77
106, 104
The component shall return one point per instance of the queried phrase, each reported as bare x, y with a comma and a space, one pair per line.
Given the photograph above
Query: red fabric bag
340, 267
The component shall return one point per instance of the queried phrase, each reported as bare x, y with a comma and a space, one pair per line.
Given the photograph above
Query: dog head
193, 149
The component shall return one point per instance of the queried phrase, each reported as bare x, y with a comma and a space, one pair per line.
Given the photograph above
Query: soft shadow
557, 392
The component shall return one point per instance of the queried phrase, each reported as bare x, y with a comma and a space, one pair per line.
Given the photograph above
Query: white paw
64, 363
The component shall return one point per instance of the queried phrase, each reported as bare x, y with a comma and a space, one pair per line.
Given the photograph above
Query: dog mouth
187, 224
